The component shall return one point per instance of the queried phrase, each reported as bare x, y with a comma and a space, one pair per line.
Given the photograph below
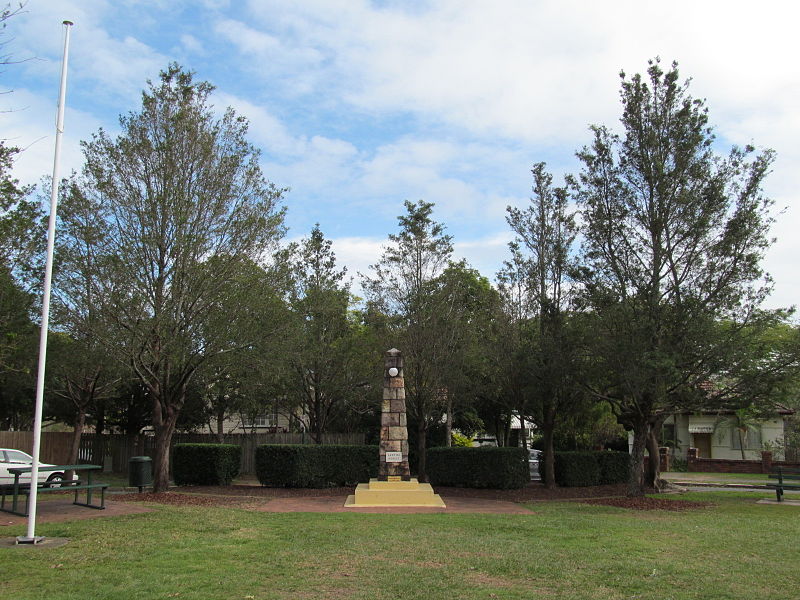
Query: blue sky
360, 105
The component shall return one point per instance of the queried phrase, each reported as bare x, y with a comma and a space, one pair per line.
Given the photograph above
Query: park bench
17, 489
782, 474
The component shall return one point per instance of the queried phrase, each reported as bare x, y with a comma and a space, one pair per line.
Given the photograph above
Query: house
272, 422
715, 434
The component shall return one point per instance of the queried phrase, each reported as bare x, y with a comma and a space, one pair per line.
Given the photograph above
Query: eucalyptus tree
538, 293
185, 203
673, 239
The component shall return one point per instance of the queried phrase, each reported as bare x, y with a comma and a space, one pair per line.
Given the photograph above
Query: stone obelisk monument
393, 453
394, 485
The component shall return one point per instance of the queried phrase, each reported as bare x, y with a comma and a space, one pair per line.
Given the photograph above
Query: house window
752, 440
260, 422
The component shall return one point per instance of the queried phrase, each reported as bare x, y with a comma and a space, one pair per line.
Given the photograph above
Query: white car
534, 456
10, 459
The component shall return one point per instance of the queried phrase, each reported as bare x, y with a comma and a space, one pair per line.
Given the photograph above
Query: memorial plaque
394, 457
394, 478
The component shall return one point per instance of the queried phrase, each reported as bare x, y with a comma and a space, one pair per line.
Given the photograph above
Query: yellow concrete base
393, 493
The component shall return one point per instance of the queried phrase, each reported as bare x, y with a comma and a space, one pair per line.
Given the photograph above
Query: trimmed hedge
315, 466
496, 468
205, 464
577, 469
585, 469
615, 466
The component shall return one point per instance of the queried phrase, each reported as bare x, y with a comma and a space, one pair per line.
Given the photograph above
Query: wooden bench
17, 489
782, 474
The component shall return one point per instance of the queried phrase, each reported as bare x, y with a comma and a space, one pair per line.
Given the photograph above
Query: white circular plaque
393, 372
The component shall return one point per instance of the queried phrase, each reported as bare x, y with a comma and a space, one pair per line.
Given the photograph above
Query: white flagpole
48, 275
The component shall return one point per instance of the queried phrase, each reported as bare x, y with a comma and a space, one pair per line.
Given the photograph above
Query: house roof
780, 409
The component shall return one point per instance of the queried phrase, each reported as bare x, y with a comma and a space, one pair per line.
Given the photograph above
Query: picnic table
17, 489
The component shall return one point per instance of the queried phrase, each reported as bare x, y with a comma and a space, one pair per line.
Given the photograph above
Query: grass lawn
737, 549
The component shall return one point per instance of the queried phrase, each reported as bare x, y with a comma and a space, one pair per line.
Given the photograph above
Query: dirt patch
530, 493
59, 510
485, 580
331, 499
534, 491
649, 503
258, 491
181, 499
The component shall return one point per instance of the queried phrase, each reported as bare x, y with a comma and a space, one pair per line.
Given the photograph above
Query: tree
244, 381
21, 234
536, 286
186, 203
474, 301
85, 374
6, 12
409, 287
673, 239
328, 362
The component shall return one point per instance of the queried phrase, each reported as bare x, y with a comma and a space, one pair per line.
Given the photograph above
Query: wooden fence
54, 445
113, 451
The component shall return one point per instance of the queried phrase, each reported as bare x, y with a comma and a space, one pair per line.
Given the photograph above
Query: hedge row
312, 466
497, 468
205, 464
584, 469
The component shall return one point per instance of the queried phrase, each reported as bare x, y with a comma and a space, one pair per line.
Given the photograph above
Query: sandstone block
398, 433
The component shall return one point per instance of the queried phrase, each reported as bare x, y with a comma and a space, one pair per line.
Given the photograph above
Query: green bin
140, 471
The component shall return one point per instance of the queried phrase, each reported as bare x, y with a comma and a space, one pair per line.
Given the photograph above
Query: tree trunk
220, 426
652, 480
640, 432
99, 446
75, 443
522, 431
741, 443
161, 459
316, 421
448, 425
422, 431
165, 419
549, 459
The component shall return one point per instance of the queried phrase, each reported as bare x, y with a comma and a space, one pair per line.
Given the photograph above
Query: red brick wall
718, 465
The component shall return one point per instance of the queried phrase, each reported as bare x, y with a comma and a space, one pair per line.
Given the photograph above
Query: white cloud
114, 67
192, 44
359, 105
33, 130
358, 253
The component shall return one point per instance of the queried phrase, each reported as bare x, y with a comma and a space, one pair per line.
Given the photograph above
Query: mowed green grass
737, 549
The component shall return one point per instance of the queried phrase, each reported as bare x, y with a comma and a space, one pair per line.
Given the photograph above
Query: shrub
461, 441
614, 466
205, 464
679, 465
497, 468
315, 466
577, 469
584, 468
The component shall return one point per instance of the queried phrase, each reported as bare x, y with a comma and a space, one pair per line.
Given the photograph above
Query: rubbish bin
140, 471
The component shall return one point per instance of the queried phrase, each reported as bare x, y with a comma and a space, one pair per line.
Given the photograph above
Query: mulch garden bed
244, 495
